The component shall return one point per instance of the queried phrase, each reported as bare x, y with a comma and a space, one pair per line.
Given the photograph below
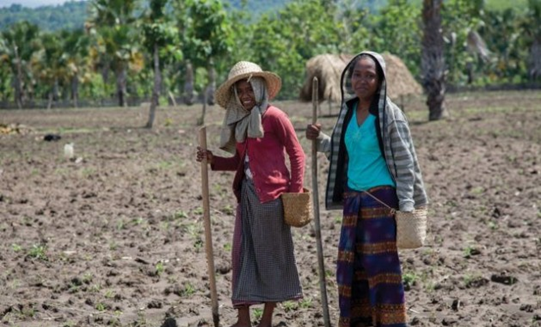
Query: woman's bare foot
243, 317
237, 324
266, 319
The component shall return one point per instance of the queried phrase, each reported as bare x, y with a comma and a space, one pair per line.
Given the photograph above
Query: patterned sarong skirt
371, 292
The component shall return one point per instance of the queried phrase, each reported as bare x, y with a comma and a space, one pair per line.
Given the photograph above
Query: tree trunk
55, 93
432, 59
188, 84
157, 87
50, 100
121, 86
19, 96
211, 87
535, 59
75, 90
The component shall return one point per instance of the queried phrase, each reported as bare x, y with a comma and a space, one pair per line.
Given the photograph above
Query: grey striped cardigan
398, 149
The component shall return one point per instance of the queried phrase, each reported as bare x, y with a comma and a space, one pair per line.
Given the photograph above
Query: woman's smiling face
246, 94
364, 78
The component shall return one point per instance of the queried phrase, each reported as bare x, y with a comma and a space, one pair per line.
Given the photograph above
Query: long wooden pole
208, 233
322, 283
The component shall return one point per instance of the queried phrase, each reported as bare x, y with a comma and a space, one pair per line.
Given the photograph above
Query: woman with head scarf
373, 166
259, 135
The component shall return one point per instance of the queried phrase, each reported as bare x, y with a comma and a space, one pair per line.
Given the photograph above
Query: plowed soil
115, 235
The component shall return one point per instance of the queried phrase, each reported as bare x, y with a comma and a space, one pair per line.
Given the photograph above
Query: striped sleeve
404, 163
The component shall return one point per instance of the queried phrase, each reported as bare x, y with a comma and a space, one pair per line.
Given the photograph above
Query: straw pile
400, 82
328, 69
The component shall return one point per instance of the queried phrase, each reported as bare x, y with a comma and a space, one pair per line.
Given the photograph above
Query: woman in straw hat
259, 135
373, 167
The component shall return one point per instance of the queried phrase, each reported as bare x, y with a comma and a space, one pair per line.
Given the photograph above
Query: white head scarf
240, 123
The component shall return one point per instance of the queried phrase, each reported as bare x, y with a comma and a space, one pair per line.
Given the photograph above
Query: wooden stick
208, 233
322, 283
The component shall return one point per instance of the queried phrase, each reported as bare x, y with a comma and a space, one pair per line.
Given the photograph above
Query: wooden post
208, 232
322, 283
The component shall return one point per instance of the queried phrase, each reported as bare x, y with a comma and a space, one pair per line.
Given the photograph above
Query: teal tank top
366, 166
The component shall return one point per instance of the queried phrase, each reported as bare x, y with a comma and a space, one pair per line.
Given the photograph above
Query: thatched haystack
328, 69
400, 82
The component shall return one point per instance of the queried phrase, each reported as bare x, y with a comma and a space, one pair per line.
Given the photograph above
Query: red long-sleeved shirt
267, 158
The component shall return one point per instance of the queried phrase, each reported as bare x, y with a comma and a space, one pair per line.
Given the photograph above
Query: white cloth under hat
240, 123
245, 70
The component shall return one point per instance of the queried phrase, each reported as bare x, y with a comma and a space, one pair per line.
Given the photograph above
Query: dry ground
116, 238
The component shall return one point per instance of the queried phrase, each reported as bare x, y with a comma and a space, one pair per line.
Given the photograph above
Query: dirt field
115, 237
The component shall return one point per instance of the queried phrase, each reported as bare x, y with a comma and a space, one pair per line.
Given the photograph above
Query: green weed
100, 307
180, 214
477, 190
492, 225
138, 221
228, 210
289, 306
38, 252
258, 313
160, 268
306, 303
409, 279
188, 290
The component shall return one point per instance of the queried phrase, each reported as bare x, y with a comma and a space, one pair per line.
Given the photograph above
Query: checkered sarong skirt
264, 266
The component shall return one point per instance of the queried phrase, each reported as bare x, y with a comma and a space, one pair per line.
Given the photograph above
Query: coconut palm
432, 59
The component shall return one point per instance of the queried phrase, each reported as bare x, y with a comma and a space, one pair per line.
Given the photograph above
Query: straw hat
243, 70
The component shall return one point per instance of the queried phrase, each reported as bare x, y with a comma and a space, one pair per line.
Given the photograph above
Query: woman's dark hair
379, 70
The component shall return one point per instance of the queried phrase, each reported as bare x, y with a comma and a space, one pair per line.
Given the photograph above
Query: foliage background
72, 50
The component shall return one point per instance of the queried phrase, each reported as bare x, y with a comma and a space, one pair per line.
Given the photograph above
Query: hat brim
224, 91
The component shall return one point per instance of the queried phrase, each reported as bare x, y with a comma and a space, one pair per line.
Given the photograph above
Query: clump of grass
258, 313
160, 268
100, 307
188, 290
38, 252
306, 303
409, 279
289, 306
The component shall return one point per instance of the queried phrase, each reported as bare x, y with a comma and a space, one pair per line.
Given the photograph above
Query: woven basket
297, 208
411, 228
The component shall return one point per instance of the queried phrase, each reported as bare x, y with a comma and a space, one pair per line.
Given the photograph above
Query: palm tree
113, 23
207, 37
155, 37
17, 45
76, 57
534, 17
432, 59
48, 66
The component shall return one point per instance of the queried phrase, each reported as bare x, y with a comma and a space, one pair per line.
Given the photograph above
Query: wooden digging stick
322, 283
208, 233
